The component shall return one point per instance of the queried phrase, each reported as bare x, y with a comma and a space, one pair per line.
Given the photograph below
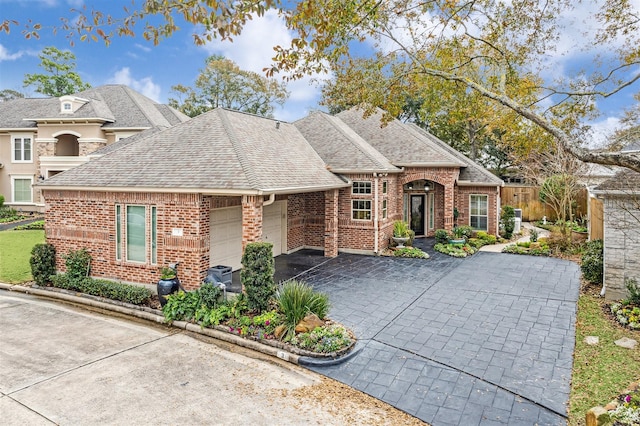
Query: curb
156, 316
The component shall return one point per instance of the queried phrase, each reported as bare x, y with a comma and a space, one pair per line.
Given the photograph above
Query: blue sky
152, 70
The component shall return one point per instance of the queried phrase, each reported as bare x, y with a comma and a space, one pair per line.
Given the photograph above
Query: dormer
70, 104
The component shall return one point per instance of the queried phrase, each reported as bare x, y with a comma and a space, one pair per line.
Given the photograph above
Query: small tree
257, 275
43, 263
60, 78
508, 220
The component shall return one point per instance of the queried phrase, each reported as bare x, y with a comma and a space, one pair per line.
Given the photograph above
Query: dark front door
417, 214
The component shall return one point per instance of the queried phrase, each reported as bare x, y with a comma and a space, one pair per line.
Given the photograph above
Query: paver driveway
483, 340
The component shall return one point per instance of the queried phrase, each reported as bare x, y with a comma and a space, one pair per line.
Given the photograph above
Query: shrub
8, 214
1, 201
476, 242
257, 275
181, 306
209, 295
78, 263
296, 299
466, 231
634, 291
592, 261
508, 221
442, 236
104, 288
38, 224
533, 235
43, 263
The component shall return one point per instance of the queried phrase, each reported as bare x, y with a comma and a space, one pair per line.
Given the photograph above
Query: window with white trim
361, 209
479, 212
361, 188
21, 189
22, 150
132, 238
385, 186
384, 209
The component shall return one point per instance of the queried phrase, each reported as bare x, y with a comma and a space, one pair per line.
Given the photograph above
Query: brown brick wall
305, 220
83, 219
462, 203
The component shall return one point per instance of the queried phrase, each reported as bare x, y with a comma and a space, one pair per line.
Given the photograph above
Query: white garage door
272, 229
226, 237
226, 233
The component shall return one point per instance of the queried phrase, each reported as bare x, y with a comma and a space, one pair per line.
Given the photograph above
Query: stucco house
200, 191
620, 197
40, 137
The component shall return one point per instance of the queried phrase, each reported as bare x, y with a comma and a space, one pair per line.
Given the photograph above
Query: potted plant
169, 282
401, 233
458, 234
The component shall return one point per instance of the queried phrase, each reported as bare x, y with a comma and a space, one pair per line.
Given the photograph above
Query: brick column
251, 219
331, 223
448, 206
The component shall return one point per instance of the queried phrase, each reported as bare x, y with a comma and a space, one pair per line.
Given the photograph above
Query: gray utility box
221, 274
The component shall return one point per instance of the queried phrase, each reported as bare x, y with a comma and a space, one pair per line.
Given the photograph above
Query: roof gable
340, 147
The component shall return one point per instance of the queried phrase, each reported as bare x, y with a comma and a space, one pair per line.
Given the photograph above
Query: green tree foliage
60, 78
256, 275
223, 84
9, 94
503, 39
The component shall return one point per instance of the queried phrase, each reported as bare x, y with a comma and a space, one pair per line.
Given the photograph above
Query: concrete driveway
483, 340
61, 365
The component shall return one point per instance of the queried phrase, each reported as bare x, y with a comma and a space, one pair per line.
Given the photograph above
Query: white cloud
601, 131
252, 50
6, 56
145, 85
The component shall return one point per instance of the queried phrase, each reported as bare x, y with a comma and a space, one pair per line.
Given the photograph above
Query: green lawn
602, 372
15, 251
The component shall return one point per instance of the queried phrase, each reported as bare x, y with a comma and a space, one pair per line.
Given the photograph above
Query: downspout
376, 225
272, 198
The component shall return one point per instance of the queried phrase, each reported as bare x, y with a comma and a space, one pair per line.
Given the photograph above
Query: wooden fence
527, 198
596, 219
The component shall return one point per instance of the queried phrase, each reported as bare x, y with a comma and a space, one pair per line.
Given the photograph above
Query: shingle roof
625, 181
471, 171
220, 150
340, 147
397, 142
119, 105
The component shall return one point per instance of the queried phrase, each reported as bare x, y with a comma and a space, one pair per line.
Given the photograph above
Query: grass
15, 251
601, 372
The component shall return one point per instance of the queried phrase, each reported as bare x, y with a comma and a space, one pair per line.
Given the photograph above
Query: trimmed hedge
592, 265
103, 288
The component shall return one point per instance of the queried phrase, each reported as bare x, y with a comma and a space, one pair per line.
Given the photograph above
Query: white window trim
486, 196
13, 193
13, 144
358, 182
370, 209
385, 208
121, 250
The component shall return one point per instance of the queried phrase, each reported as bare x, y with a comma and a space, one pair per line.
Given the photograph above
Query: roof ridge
128, 91
242, 158
358, 141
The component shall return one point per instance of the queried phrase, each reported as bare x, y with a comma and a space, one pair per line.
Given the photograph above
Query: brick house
620, 197
199, 191
41, 137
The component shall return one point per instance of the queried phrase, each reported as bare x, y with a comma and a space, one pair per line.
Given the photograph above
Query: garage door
226, 237
226, 233
272, 229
